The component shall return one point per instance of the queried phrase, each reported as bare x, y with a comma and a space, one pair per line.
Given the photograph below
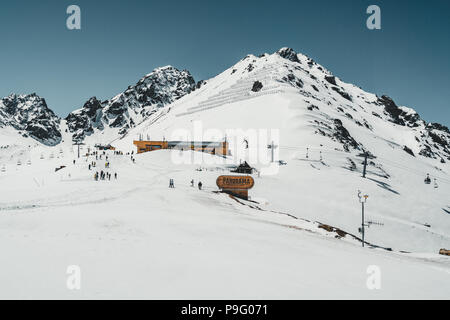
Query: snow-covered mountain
30, 116
278, 74
301, 223
327, 106
161, 87
319, 118
324, 126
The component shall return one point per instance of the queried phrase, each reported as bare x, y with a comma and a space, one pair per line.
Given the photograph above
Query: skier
192, 182
200, 185
171, 185
115, 175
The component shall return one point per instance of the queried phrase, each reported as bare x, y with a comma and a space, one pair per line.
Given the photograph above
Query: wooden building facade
211, 147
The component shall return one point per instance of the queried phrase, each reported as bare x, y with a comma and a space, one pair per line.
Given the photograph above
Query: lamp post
362, 200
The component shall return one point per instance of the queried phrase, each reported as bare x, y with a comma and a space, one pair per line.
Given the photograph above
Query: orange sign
235, 182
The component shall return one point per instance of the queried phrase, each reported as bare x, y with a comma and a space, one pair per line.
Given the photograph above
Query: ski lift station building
211, 147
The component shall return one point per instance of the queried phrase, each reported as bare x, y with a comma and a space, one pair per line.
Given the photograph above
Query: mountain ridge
162, 86
30, 116
165, 85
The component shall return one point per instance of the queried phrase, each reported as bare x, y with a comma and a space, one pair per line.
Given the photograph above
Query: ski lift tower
366, 155
78, 143
272, 148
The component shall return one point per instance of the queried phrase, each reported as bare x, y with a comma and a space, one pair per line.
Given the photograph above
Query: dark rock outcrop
343, 136
289, 54
161, 87
343, 94
398, 115
331, 79
257, 86
31, 115
408, 150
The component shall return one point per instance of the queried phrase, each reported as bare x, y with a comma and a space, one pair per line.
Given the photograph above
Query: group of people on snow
104, 176
172, 185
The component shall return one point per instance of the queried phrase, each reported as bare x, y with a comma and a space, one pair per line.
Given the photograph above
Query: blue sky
120, 41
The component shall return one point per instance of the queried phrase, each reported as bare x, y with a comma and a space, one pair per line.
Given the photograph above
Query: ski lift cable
341, 152
347, 155
412, 170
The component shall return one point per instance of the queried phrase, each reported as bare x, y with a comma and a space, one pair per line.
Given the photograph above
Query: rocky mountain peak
161, 87
30, 115
288, 53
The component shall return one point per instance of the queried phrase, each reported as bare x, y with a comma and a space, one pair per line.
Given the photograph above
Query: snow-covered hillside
297, 237
324, 125
320, 104
135, 238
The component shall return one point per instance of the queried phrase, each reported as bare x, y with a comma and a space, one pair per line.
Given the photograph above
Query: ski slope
321, 178
135, 238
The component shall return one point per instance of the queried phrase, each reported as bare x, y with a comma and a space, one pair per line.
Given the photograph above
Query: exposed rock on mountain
257, 86
157, 89
30, 115
289, 54
334, 109
398, 115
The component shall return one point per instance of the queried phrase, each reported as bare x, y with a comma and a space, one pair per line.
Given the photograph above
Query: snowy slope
415, 215
135, 238
319, 103
298, 237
